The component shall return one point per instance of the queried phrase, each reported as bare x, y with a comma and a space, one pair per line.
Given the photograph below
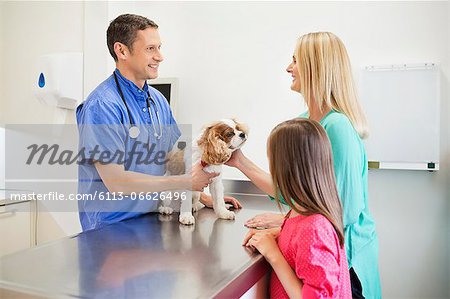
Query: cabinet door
15, 227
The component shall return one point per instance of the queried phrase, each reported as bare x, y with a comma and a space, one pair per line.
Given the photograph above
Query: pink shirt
311, 247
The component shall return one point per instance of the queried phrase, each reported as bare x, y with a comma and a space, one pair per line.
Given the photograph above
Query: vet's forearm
117, 179
259, 177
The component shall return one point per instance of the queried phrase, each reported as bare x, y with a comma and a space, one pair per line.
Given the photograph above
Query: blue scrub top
103, 126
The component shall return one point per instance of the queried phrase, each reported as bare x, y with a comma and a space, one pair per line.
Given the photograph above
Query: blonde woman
321, 72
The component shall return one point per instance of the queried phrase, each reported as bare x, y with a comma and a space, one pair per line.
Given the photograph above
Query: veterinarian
126, 128
321, 72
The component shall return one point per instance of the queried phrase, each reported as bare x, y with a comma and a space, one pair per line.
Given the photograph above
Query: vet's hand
233, 201
200, 178
208, 201
266, 220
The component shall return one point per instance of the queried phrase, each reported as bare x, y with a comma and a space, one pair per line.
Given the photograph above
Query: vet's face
233, 133
143, 59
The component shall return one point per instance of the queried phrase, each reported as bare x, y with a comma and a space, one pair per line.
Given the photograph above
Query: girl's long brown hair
301, 165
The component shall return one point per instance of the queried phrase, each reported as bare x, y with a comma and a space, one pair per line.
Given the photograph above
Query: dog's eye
229, 135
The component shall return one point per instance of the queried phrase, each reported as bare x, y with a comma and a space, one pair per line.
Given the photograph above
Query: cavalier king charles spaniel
212, 149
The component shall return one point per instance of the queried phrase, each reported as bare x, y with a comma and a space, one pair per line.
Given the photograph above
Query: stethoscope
134, 130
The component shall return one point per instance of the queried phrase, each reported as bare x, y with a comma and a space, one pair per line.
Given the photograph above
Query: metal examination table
152, 256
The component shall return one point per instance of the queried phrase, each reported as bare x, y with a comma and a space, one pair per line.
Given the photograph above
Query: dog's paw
185, 231
197, 206
165, 210
165, 218
186, 218
225, 214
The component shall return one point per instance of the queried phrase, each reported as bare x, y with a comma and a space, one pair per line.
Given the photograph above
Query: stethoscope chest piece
134, 132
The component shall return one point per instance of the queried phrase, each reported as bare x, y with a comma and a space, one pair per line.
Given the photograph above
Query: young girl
310, 259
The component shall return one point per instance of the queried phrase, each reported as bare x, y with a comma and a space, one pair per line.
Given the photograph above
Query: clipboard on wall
402, 105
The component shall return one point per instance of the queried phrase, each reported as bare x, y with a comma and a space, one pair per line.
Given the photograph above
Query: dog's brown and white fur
212, 148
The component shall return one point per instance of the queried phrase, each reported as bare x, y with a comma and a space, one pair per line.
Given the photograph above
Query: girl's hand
266, 220
275, 232
265, 243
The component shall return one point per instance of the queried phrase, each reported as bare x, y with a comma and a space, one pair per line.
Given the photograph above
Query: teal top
350, 168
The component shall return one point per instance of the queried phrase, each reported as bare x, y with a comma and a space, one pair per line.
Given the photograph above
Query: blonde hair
326, 77
301, 166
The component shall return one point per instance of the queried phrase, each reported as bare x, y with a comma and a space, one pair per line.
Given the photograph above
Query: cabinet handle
4, 213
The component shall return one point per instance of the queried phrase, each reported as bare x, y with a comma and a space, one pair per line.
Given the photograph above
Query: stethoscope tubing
134, 130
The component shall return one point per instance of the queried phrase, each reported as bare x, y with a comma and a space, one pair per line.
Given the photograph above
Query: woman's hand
266, 220
236, 159
208, 202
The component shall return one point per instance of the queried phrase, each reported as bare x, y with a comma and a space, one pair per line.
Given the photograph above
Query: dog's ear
215, 150
241, 126
175, 163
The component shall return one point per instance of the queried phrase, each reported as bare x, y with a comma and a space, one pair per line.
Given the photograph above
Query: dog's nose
181, 145
242, 135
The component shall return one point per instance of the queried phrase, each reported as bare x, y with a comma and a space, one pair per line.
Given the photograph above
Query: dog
212, 149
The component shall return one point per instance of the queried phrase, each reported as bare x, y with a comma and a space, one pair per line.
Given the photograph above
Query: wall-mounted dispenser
59, 81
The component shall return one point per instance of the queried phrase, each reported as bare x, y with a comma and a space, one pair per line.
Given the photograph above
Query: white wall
447, 233
2, 131
96, 55
230, 59
32, 29
2, 157
445, 114
2, 4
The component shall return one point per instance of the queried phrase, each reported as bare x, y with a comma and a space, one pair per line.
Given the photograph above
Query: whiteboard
402, 107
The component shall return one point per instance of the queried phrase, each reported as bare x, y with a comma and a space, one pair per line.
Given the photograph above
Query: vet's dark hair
124, 28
